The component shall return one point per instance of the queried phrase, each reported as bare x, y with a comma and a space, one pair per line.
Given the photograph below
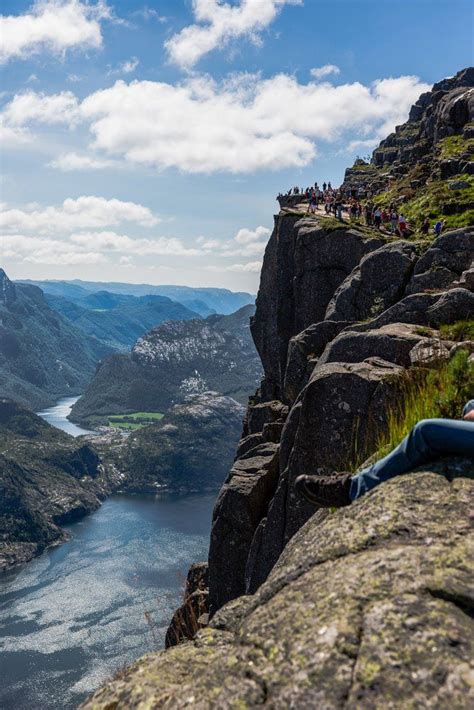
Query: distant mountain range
42, 355
171, 361
119, 320
203, 301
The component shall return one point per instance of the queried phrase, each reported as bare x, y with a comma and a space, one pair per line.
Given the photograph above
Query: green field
137, 420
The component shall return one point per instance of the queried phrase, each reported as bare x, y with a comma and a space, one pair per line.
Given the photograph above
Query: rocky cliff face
367, 606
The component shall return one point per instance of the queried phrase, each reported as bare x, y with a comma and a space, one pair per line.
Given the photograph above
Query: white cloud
219, 22
130, 65
240, 125
74, 161
326, 70
54, 26
147, 13
111, 241
244, 236
33, 107
247, 242
40, 250
85, 212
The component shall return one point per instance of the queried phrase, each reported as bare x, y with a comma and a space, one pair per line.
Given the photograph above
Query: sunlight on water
57, 416
72, 617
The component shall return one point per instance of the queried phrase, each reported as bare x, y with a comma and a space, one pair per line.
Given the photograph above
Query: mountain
173, 454
203, 301
119, 320
42, 355
175, 359
360, 334
47, 479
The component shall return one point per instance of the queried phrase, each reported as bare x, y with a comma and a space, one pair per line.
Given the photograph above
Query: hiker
329, 185
368, 214
338, 208
324, 187
393, 221
438, 228
377, 218
313, 203
402, 225
428, 440
425, 227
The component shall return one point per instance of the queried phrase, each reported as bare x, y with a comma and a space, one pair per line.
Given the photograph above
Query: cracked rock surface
367, 607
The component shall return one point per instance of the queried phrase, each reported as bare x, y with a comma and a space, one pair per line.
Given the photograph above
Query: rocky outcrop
193, 614
308, 260
370, 606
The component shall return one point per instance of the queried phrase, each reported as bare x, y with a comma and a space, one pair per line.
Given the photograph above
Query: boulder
393, 343
432, 309
375, 284
368, 607
444, 262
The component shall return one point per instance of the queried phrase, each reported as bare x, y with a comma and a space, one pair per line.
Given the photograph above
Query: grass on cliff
439, 392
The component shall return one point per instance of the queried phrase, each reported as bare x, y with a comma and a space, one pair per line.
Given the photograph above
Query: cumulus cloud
32, 107
82, 213
217, 23
40, 250
326, 70
240, 125
54, 26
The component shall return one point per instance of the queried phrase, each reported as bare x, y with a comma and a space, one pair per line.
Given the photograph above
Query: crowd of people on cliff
336, 201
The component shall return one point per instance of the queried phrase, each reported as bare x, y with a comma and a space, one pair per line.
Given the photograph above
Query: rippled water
57, 416
72, 617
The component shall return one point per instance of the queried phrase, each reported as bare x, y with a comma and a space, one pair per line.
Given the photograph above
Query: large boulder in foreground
368, 607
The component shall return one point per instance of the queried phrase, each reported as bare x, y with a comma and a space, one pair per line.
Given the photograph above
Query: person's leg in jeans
428, 440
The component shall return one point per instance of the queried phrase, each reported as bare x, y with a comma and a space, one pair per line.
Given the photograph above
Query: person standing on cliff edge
430, 439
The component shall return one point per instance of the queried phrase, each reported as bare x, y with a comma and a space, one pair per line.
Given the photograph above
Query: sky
146, 142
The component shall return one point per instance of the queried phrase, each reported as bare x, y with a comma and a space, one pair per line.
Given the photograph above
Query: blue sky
146, 142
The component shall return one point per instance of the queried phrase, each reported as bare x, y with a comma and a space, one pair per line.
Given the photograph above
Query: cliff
368, 606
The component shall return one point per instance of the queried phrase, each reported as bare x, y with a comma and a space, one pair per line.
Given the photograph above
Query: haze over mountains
203, 301
42, 355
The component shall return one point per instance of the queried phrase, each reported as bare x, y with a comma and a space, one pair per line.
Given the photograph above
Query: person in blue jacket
430, 439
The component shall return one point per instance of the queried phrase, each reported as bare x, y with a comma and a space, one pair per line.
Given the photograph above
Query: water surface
70, 618
57, 416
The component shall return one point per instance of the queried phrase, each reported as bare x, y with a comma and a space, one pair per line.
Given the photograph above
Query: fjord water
57, 416
72, 617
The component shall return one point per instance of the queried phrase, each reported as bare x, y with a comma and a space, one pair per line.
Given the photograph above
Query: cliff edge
369, 606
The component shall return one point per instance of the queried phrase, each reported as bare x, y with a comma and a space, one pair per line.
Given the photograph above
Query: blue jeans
428, 440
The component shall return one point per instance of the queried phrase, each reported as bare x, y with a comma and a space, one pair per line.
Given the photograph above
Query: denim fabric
428, 440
